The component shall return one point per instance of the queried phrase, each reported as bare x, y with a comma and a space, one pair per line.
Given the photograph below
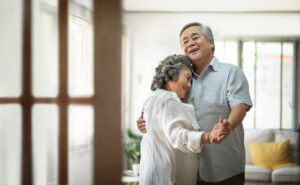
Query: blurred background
260, 36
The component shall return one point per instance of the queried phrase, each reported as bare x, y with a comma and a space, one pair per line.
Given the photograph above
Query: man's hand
224, 127
220, 131
141, 123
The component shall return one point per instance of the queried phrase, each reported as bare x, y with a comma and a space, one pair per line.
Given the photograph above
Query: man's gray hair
206, 30
169, 69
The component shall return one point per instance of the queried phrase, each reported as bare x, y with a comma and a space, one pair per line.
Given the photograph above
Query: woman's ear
169, 85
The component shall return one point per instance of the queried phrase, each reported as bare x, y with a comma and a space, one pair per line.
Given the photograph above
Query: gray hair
169, 69
206, 30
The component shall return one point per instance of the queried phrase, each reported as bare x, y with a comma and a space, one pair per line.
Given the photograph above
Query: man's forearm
237, 115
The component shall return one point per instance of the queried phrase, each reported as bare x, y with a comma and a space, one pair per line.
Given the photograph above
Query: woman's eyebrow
189, 76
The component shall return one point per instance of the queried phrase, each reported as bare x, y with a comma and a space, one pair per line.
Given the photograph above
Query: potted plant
132, 150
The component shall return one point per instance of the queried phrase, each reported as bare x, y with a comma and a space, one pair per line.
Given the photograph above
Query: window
10, 138
77, 106
268, 67
269, 70
227, 51
11, 89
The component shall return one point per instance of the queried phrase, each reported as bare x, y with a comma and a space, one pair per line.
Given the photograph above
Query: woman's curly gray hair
169, 69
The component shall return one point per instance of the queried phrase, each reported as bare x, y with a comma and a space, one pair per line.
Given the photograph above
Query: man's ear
212, 43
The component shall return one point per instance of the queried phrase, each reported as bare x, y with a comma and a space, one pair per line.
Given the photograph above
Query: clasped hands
219, 132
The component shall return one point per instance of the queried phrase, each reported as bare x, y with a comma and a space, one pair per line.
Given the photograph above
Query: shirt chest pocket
209, 98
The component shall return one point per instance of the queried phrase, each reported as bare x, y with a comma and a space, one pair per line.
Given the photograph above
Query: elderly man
218, 90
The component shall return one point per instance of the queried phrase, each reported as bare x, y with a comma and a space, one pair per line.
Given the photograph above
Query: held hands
220, 131
141, 123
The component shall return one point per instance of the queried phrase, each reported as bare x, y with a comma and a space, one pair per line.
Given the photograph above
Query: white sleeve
175, 125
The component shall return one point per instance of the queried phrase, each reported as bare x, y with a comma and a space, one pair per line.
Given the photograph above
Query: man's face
195, 45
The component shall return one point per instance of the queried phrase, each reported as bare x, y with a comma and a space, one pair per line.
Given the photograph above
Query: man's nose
191, 43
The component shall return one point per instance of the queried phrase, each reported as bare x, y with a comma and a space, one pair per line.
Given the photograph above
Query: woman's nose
189, 85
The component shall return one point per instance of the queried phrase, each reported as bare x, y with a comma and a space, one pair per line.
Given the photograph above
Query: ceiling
211, 5
206, 6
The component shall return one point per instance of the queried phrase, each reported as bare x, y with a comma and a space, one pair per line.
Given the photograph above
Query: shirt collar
195, 74
213, 66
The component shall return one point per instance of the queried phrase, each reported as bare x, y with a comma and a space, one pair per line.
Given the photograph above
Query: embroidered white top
168, 149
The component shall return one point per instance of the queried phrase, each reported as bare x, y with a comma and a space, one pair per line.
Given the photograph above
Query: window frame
107, 21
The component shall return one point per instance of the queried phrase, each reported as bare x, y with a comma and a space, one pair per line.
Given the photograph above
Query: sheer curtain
262, 67
10, 83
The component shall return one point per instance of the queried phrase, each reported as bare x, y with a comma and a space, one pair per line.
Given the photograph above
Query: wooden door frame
107, 56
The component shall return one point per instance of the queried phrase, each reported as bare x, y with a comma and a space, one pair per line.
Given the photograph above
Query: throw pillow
271, 155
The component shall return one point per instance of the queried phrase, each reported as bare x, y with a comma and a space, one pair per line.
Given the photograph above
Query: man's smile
194, 50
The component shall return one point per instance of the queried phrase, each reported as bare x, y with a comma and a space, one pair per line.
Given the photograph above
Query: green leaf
132, 143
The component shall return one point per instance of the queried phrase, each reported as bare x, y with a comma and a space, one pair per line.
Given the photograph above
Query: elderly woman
168, 149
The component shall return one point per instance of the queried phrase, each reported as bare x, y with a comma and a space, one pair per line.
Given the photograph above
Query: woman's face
182, 85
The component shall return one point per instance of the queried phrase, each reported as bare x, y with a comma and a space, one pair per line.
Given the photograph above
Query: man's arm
238, 97
237, 115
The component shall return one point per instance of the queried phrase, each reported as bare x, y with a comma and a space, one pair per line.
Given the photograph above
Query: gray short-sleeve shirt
214, 92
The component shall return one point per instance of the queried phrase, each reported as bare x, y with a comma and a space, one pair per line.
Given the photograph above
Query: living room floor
267, 183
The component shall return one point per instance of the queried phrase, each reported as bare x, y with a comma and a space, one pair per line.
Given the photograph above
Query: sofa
285, 175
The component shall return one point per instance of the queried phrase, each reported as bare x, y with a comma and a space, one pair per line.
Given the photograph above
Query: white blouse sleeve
177, 128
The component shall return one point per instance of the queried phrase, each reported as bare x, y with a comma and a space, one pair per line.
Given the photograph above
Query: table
129, 178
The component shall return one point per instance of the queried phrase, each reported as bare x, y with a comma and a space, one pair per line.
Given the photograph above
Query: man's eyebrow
194, 33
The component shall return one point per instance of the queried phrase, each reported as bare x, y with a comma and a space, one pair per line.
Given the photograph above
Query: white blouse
168, 149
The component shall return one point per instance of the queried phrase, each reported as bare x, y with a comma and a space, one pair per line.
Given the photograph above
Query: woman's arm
178, 128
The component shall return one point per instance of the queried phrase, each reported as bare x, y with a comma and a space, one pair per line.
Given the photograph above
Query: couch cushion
256, 173
292, 136
256, 136
289, 174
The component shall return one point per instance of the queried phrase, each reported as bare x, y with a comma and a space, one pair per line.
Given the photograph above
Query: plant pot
136, 169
